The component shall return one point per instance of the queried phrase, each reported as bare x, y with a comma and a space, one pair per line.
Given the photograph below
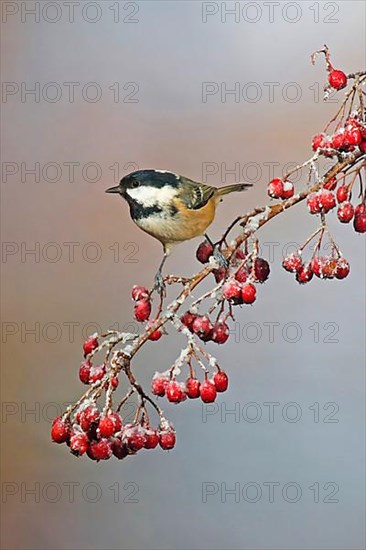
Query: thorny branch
101, 433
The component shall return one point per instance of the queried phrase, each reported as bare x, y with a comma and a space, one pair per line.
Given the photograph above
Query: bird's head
147, 187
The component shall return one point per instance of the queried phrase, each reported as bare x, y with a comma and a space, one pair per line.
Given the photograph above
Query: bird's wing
195, 195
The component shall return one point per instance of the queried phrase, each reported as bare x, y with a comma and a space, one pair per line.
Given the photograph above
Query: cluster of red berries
325, 200
280, 189
324, 267
100, 437
344, 140
176, 392
89, 373
202, 326
142, 309
236, 290
239, 288
257, 270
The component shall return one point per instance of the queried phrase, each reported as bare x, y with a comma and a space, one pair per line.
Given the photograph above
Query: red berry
115, 382
261, 270
84, 372
219, 274
202, 326
167, 439
79, 444
156, 334
116, 418
204, 252
96, 373
193, 388
313, 203
352, 136
359, 223
134, 436
221, 381
345, 212
208, 392
88, 416
318, 265
343, 193
363, 146
220, 332
90, 345
319, 141
326, 200
241, 275
175, 392
140, 293
276, 188
60, 431
158, 385
106, 427
100, 450
142, 310
353, 121
342, 269
329, 268
360, 209
187, 319
119, 448
248, 293
292, 262
331, 184
232, 291
304, 275
151, 439
337, 79
288, 190
239, 254
337, 141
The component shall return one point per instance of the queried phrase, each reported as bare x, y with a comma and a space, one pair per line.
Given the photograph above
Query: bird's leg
159, 284
217, 254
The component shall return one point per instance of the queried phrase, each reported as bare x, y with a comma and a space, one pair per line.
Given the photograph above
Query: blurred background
125, 85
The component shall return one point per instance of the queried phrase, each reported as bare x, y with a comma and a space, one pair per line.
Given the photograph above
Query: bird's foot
217, 254
219, 257
159, 284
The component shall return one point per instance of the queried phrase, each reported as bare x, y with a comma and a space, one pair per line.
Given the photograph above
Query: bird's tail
233, 187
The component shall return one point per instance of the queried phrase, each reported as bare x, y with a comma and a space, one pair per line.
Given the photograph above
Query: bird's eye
135, 184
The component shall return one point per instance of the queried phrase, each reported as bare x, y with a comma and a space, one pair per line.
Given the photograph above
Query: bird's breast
173, 222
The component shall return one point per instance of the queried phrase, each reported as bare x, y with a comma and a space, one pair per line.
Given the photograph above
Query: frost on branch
94, 424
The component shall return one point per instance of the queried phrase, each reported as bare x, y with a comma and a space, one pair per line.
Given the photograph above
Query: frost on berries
330, 186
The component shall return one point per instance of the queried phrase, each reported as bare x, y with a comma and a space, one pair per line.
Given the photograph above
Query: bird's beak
116, 189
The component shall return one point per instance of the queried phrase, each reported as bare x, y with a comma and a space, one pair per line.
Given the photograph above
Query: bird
170, 207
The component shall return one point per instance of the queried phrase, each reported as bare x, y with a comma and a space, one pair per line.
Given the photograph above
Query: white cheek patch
149, 195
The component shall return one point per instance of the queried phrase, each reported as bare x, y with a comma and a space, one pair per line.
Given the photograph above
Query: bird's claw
219, 257
159, 284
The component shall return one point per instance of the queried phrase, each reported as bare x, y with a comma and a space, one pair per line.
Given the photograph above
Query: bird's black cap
155, 178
